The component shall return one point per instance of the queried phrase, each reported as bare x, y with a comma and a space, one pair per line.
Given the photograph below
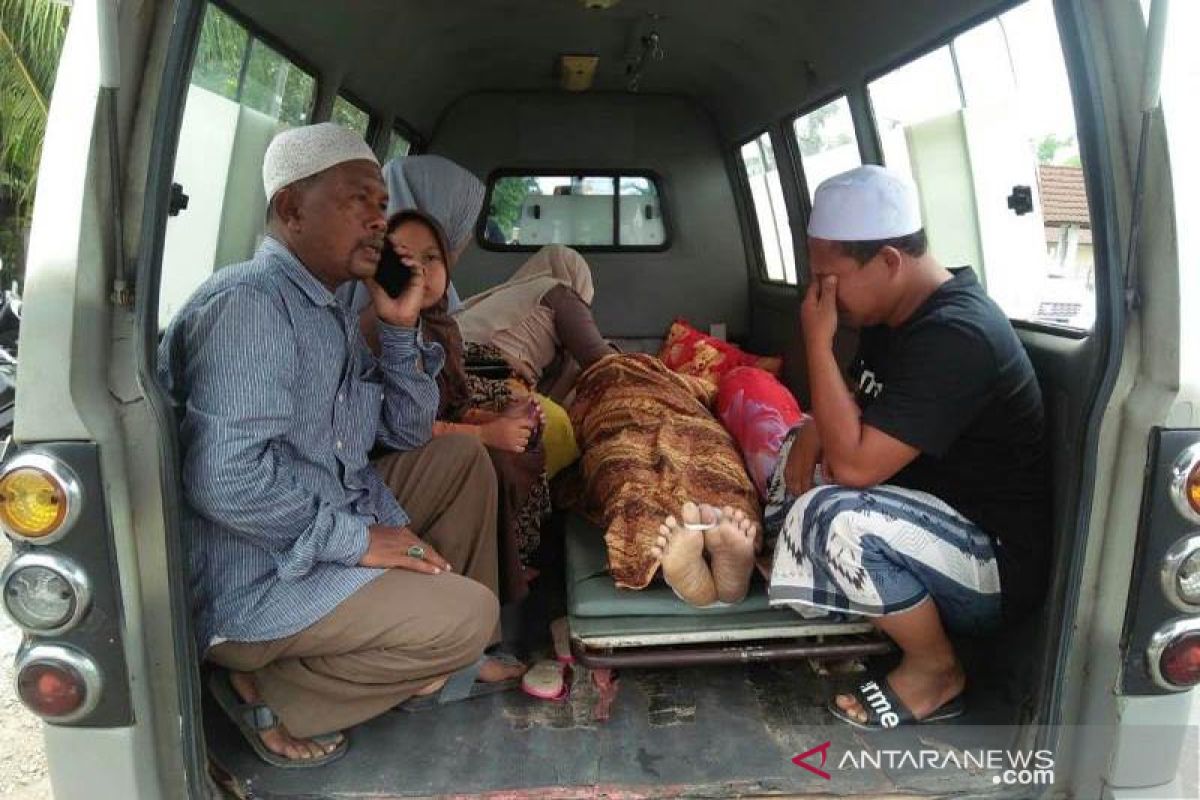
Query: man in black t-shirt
935, 516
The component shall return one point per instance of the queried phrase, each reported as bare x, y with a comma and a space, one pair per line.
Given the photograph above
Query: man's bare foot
277, 739
730, 547
924, 688
682, 554
491, 671
495, 671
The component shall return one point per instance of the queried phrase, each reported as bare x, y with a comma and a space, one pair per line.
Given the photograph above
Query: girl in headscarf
472, 405
540, 314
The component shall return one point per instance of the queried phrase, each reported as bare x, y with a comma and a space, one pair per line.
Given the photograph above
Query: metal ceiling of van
746, 61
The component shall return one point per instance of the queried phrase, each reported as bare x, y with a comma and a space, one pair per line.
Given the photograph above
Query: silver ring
417, 552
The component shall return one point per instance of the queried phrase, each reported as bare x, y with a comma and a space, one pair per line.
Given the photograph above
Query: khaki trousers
404, 629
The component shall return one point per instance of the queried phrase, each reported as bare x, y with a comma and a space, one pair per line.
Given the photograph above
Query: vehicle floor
693, 732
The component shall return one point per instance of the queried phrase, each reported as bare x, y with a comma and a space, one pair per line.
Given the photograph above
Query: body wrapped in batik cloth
650, 444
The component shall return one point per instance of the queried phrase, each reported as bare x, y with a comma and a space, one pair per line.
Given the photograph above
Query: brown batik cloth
650, 444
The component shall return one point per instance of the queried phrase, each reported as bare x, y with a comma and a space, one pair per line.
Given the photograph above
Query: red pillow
690, 352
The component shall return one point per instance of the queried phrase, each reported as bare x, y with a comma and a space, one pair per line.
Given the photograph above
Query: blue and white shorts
882, 550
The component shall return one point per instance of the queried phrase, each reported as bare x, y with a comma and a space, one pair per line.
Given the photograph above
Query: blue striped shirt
279, 402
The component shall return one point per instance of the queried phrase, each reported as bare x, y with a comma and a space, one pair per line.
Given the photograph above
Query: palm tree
31, 37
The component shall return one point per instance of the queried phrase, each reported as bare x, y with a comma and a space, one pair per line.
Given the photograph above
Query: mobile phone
392, 273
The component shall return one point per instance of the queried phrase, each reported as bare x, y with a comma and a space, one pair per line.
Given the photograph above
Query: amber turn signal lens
32, 503
1193, 489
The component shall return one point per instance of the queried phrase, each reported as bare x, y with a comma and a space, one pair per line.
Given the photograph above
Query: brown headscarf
438, 326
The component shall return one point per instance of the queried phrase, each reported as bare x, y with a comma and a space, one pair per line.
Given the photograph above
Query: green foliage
1049, 146
31, 38
508, 195
349, 115
810, 132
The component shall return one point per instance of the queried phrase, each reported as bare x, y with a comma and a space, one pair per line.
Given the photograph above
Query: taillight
1174, 655
1181, 574
45, 593
40, 498
59, 684
1185, 483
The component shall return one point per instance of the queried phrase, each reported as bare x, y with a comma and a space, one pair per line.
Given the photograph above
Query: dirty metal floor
700, 731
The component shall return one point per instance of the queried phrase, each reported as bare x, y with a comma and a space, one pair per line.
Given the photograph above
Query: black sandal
253, 718
886, 710
464, 685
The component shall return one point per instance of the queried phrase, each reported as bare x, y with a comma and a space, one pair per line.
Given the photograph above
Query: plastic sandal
886, 710
463, 685
546, 680
253, 718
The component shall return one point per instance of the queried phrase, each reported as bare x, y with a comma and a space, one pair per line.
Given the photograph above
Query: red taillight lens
1180, 660
59, 683
52, 689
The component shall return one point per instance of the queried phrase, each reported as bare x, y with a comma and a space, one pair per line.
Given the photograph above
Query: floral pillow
690, 352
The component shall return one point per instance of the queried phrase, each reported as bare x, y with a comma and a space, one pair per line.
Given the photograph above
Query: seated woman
479, 406
541, 313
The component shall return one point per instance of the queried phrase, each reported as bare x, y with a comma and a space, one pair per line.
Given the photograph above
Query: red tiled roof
1064, 199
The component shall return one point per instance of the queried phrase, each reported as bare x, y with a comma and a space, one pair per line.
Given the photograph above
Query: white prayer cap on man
299, 153
865, 204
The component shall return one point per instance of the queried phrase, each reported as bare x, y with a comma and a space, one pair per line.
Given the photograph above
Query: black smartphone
392, 274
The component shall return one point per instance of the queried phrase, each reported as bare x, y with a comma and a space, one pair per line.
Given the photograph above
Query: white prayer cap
298, 153
865, 204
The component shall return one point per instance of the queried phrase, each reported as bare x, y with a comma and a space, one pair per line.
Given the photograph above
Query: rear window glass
588, 211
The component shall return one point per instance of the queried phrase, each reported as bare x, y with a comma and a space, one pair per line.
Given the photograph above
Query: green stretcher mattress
602, 615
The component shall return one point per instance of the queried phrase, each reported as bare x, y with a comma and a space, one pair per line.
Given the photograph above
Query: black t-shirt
954, 382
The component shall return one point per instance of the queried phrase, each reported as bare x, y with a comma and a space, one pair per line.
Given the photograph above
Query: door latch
178, 201
1021, 200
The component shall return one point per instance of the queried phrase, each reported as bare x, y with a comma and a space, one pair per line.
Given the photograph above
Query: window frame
752, 210
1090, 174
653, 176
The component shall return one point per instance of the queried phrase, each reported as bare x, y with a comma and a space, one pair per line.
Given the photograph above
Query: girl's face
415, 241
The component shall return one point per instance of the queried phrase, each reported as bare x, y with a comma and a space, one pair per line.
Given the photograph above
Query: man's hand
802, 460
388, 549
818, 313
403, 311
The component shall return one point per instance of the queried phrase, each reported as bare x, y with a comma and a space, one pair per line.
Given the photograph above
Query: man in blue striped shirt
331, 588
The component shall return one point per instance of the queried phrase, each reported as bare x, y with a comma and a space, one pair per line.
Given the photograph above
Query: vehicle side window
774, 228
826, 141
398, 145
985, 127
581, 210
348, 113
242, 93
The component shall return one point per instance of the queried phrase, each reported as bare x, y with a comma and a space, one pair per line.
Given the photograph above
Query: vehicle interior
721, 118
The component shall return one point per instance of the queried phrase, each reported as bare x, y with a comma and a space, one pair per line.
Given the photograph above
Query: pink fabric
758, 411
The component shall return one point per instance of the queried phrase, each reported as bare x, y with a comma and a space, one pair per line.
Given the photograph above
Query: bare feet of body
731, 547
682, 554
923, 687
278, 740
